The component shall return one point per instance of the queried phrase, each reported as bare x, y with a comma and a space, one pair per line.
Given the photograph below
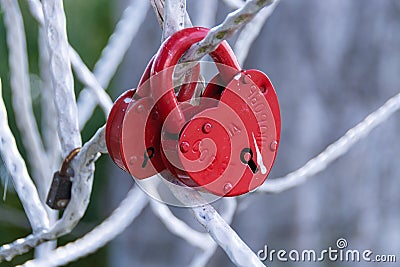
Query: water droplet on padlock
227, 187
247, 79
140, 108
224, 164
273, 146
132, 160
156, 116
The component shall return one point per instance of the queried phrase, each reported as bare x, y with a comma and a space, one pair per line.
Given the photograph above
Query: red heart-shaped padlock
230, 144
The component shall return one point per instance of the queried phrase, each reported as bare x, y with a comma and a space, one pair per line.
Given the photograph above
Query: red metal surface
114, 127
266, 87
168, 56
243, 112
129, 133
141, 146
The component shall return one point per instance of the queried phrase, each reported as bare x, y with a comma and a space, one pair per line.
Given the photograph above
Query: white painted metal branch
113, 54
159, 5
226, 29
237, 250
251, 31
177, 226
82, 71
174, 17
120, 40
114, 225
63, 83
49, 124
227, 214
22, 182
333, 151
83, 166
88, 79
21, 91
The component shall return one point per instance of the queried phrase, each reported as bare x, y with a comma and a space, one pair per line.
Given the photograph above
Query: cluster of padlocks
225, 144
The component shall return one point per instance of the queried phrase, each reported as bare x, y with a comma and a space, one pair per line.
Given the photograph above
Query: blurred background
332, 62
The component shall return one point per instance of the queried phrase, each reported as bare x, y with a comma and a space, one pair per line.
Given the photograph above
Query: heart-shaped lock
226, 145
229, 144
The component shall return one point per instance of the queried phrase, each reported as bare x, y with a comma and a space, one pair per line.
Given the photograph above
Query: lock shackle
169, 55
185, 93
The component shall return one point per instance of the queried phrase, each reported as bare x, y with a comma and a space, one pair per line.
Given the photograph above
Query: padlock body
245, 136
141, 139
114, 127
60, 192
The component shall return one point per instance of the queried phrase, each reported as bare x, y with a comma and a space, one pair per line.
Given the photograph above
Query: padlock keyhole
246, 156
148, 154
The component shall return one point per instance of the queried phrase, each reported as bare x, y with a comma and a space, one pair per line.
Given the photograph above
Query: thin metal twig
226, 29
129, 209
333, 151
23, 184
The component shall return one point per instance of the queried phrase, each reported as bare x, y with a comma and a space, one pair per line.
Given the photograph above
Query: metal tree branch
237, 250
82, 71
21, 91
114, 225
174, 17
83, 167
333, 151
226, 29
251, 31
61, 73
158, 6
227, 214
49, 124
177, 226
89, 80
113, 54
22, 182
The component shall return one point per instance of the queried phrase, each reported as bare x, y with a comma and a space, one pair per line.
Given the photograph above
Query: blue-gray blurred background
332, 62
